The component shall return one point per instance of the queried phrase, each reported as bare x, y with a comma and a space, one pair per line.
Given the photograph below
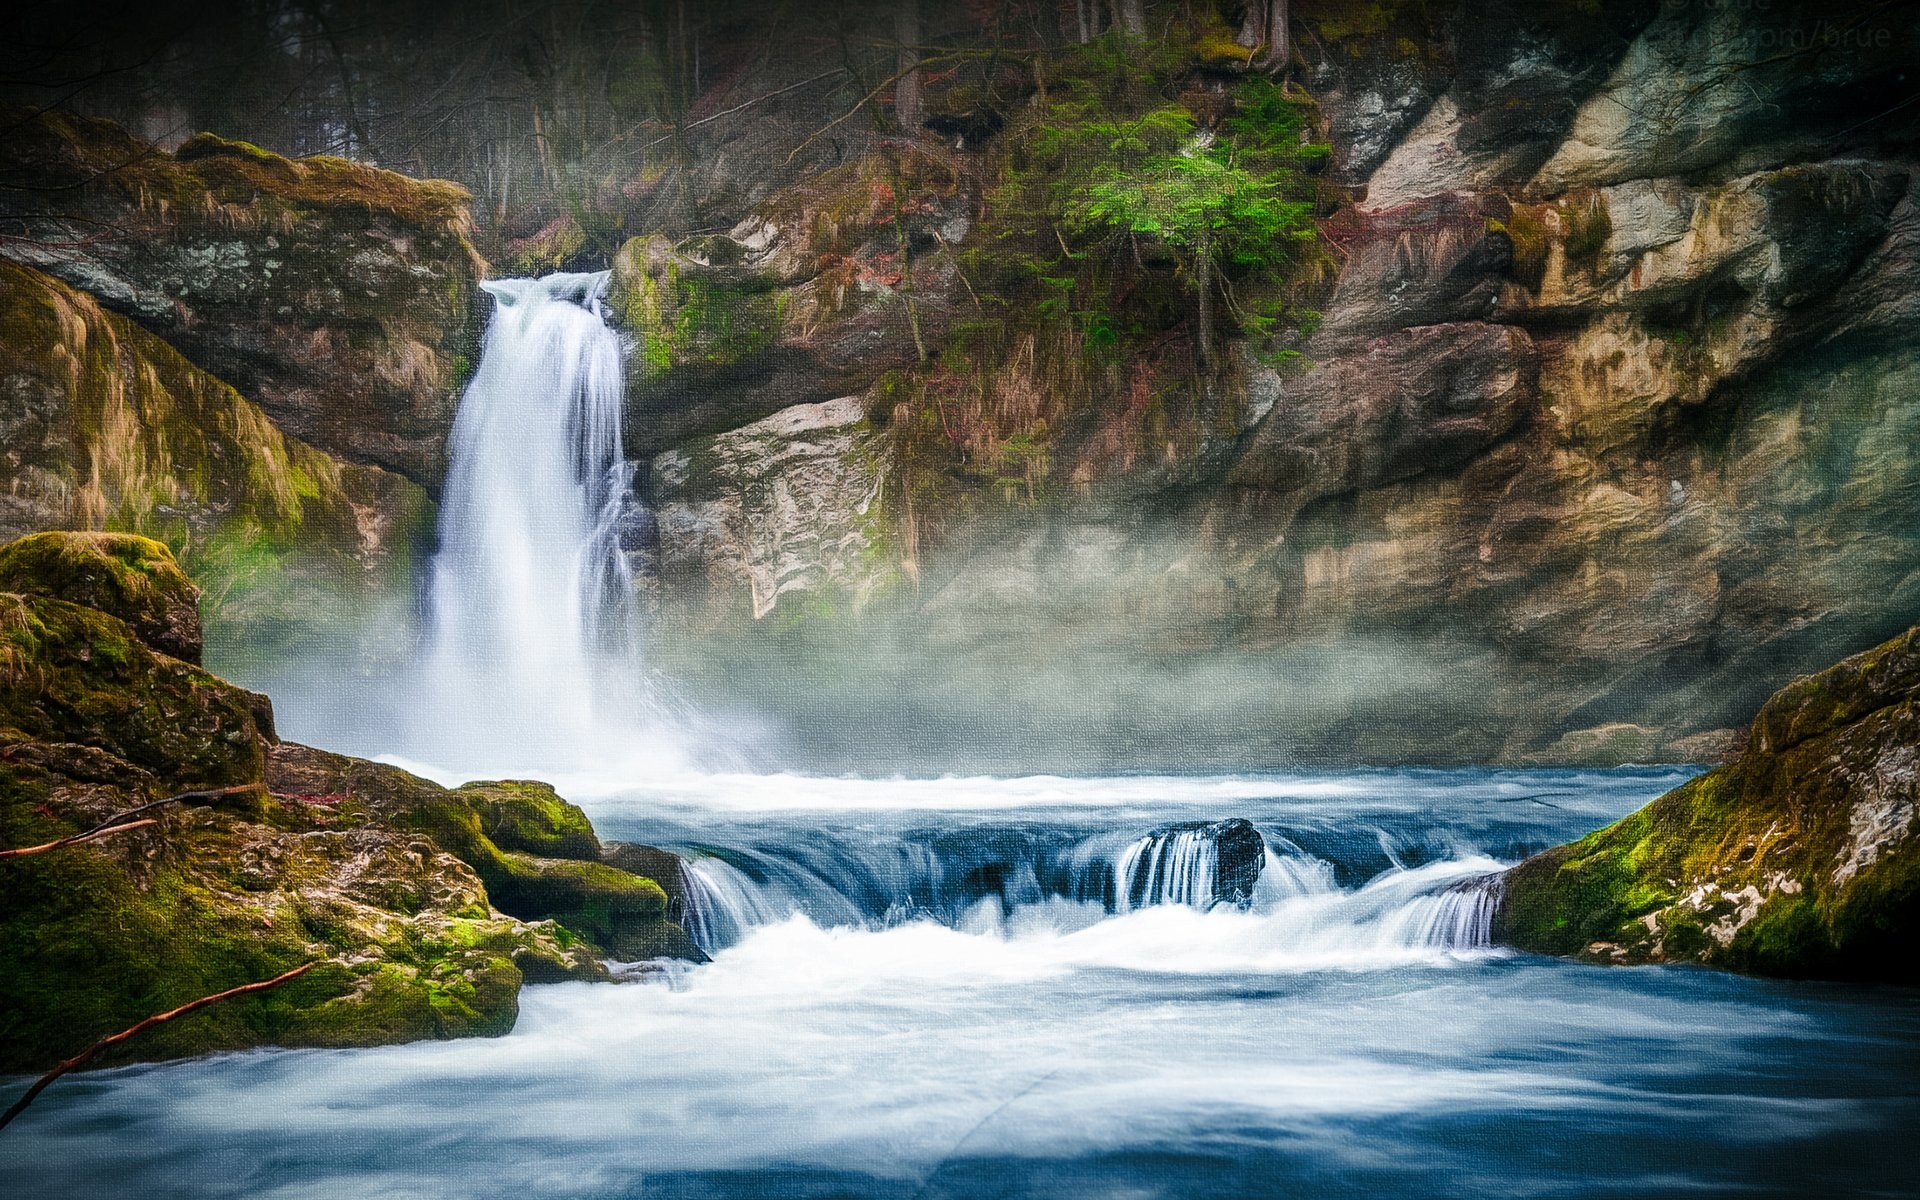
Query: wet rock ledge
426, 907
1799, 858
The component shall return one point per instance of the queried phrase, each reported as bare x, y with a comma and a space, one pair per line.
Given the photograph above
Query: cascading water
930, 988
533, 655
1060, 878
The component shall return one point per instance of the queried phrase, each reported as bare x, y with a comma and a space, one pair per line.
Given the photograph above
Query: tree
1130, 17
1226, 202
1265, 25
907, 102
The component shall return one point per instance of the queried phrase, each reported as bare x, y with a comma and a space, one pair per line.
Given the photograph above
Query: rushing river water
980, 988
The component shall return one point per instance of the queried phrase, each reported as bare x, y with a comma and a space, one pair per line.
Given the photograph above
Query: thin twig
81, 1059
118, 821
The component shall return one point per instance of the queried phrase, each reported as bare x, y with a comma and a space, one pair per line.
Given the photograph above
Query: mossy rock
74, 674
133, 578
616, 910
95, 937
526, 815
1800, 858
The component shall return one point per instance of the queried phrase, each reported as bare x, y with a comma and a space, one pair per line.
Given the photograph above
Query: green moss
690, 317
73, 674
1529, 238
133, 578
1756, 866
1589, 227
528, 816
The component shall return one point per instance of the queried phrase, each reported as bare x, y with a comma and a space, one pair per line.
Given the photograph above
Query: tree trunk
1130, 16
907, 103
1279, 43
1203, 277
1265, 25
1253, 26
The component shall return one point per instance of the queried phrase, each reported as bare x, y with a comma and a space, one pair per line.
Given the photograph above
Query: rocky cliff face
334, 295
1606, 425
1798, 858
251, 358
1617, 386
400, 890
106, 426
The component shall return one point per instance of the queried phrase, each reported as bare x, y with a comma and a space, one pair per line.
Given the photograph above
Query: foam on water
950, 1002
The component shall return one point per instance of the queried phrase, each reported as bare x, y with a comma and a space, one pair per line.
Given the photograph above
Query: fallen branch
80, 1059
119, 821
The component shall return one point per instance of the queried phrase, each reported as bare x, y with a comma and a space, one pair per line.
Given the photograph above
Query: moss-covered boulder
529, 816
133, 578
621, 913
1799, 858
76, 675
384, 879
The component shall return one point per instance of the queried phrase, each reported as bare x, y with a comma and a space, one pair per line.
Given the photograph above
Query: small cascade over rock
1198, 864
533, 650
720, 903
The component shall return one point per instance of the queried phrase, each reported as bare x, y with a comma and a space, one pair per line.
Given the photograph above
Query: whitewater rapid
930, 992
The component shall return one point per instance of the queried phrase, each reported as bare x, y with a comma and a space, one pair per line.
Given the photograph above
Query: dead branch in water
119, 821
80, 1059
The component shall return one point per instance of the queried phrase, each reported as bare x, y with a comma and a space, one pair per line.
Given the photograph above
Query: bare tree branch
81, 1059
120, 820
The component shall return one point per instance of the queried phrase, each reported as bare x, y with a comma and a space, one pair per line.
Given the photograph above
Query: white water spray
533, 655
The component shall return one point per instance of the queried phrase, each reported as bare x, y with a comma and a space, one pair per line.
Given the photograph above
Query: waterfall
1458, 918
533, 653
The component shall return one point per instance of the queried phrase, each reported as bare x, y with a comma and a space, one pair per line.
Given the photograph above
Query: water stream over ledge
935, 988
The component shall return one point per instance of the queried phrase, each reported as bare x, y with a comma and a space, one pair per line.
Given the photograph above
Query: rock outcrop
1605, 430
789, 505
426, 908
822, 289
105, 426
336, 296
1799, 858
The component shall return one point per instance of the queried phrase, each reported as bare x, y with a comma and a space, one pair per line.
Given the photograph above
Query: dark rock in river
1798, 858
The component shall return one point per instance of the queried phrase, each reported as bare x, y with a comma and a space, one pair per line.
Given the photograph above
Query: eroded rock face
790, 506
1674, 512
335, 296
421, 923
105, 426
805, 300
1798, 858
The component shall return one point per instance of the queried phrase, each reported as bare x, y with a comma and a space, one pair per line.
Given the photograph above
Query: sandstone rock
1798, 858
1712, 86
1415, 400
